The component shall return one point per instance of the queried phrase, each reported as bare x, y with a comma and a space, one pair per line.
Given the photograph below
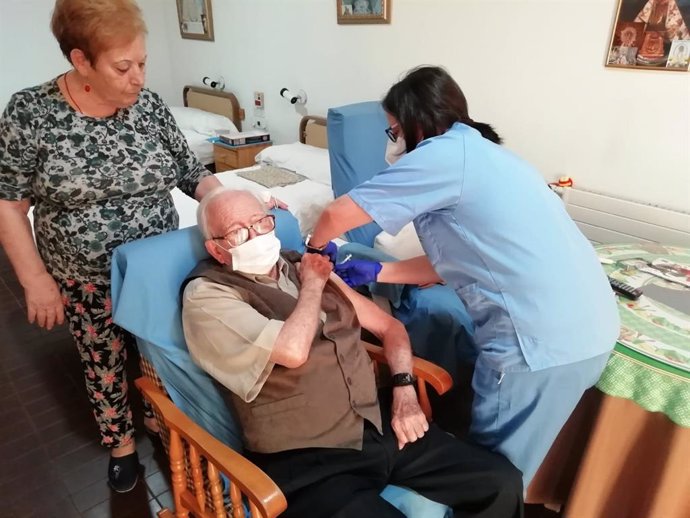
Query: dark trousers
344, 483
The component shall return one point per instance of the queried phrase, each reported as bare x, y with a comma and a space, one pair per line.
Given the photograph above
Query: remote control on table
625, 289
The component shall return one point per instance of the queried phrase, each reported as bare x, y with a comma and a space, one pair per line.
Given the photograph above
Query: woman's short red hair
95, 25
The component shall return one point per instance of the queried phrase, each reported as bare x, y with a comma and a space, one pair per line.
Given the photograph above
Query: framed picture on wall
363, 11
651, 34
196, 19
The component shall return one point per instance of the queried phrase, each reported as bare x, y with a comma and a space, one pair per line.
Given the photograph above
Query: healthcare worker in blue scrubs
545, 316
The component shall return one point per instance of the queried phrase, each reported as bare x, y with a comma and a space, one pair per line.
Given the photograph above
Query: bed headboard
222, 103
312, 131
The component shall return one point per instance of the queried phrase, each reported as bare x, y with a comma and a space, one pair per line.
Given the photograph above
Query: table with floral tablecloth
635, 463
651, 362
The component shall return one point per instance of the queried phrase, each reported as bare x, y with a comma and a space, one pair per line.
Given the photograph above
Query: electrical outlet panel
258, 100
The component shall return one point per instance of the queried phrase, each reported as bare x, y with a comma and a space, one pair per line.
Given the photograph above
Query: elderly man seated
282, 335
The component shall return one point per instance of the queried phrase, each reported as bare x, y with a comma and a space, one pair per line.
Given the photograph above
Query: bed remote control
625, 289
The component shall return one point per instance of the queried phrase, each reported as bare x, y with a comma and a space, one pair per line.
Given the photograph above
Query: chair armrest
253, 482
425, 371
429, 372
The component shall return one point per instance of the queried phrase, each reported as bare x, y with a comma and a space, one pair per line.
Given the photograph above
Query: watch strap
310, 247
403, 379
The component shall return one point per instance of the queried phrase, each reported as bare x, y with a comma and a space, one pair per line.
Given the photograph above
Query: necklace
64, 78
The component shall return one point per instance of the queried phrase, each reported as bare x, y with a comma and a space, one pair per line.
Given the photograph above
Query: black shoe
123, 472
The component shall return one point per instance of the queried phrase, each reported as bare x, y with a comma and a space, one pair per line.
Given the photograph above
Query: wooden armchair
197, 459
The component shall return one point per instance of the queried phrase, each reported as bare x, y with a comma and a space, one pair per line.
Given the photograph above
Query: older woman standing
97, 154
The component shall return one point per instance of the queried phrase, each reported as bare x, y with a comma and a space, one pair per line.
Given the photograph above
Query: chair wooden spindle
255, 511
177, 473
216, 491
197, 477
236, 499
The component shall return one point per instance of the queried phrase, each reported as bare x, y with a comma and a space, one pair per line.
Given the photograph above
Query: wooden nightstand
227, 157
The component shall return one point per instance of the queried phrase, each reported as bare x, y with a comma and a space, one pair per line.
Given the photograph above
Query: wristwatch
313, 248
403, 379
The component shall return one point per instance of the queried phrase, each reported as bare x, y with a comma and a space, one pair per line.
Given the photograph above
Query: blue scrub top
503, 241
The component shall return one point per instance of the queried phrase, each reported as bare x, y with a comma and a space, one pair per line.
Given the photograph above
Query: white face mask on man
395, 150
256, 256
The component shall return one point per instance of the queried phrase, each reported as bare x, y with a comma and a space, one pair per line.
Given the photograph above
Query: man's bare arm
294, 341
409, 422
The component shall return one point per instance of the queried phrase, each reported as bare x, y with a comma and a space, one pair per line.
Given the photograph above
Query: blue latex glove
330, 251
358, 272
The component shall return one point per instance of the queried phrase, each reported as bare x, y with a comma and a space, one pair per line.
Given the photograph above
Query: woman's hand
44, 302
358, 272
275, 203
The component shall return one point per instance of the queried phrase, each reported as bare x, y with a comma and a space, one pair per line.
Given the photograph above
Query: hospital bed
303, 181
205, 113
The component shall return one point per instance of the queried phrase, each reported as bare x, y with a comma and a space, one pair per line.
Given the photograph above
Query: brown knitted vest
323, 402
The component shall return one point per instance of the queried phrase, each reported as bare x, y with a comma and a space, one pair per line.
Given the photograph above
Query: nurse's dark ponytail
487, 130
428, 99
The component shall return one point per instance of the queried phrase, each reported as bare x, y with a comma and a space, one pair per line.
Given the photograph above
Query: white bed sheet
199, 145
306, 199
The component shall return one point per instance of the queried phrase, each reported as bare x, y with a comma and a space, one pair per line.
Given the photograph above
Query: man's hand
43, 302
314, 270
409, 422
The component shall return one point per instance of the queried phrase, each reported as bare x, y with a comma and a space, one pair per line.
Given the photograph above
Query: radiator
603, 218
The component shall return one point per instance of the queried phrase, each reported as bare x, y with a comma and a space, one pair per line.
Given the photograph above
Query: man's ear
80, 62
214, 251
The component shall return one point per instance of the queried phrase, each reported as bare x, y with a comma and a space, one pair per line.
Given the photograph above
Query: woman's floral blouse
95, 182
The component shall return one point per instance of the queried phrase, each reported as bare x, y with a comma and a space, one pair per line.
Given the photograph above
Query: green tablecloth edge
652, 390
627, 351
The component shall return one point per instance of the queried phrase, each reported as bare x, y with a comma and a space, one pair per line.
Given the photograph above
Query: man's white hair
202, 209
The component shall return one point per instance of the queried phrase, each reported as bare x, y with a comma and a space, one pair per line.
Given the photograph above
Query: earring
87, 88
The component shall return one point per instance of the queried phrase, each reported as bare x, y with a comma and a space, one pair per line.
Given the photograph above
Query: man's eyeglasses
240, 235
391, 133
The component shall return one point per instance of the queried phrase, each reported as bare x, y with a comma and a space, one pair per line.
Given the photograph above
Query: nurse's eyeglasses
391, 133
240, 235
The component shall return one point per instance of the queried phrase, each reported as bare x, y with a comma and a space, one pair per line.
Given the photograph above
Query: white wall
29, 54
533, 68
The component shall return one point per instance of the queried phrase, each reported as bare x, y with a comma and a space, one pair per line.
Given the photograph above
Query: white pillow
201, 121
310, 161
405, 245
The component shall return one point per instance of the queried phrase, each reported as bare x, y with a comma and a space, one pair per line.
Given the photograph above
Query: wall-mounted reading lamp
217, 85
294, 98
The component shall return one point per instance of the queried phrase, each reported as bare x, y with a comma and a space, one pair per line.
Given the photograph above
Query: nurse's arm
341, 215
417, 270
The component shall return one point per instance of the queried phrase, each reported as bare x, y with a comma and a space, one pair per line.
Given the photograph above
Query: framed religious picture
363, 11
196, 19
651, 34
